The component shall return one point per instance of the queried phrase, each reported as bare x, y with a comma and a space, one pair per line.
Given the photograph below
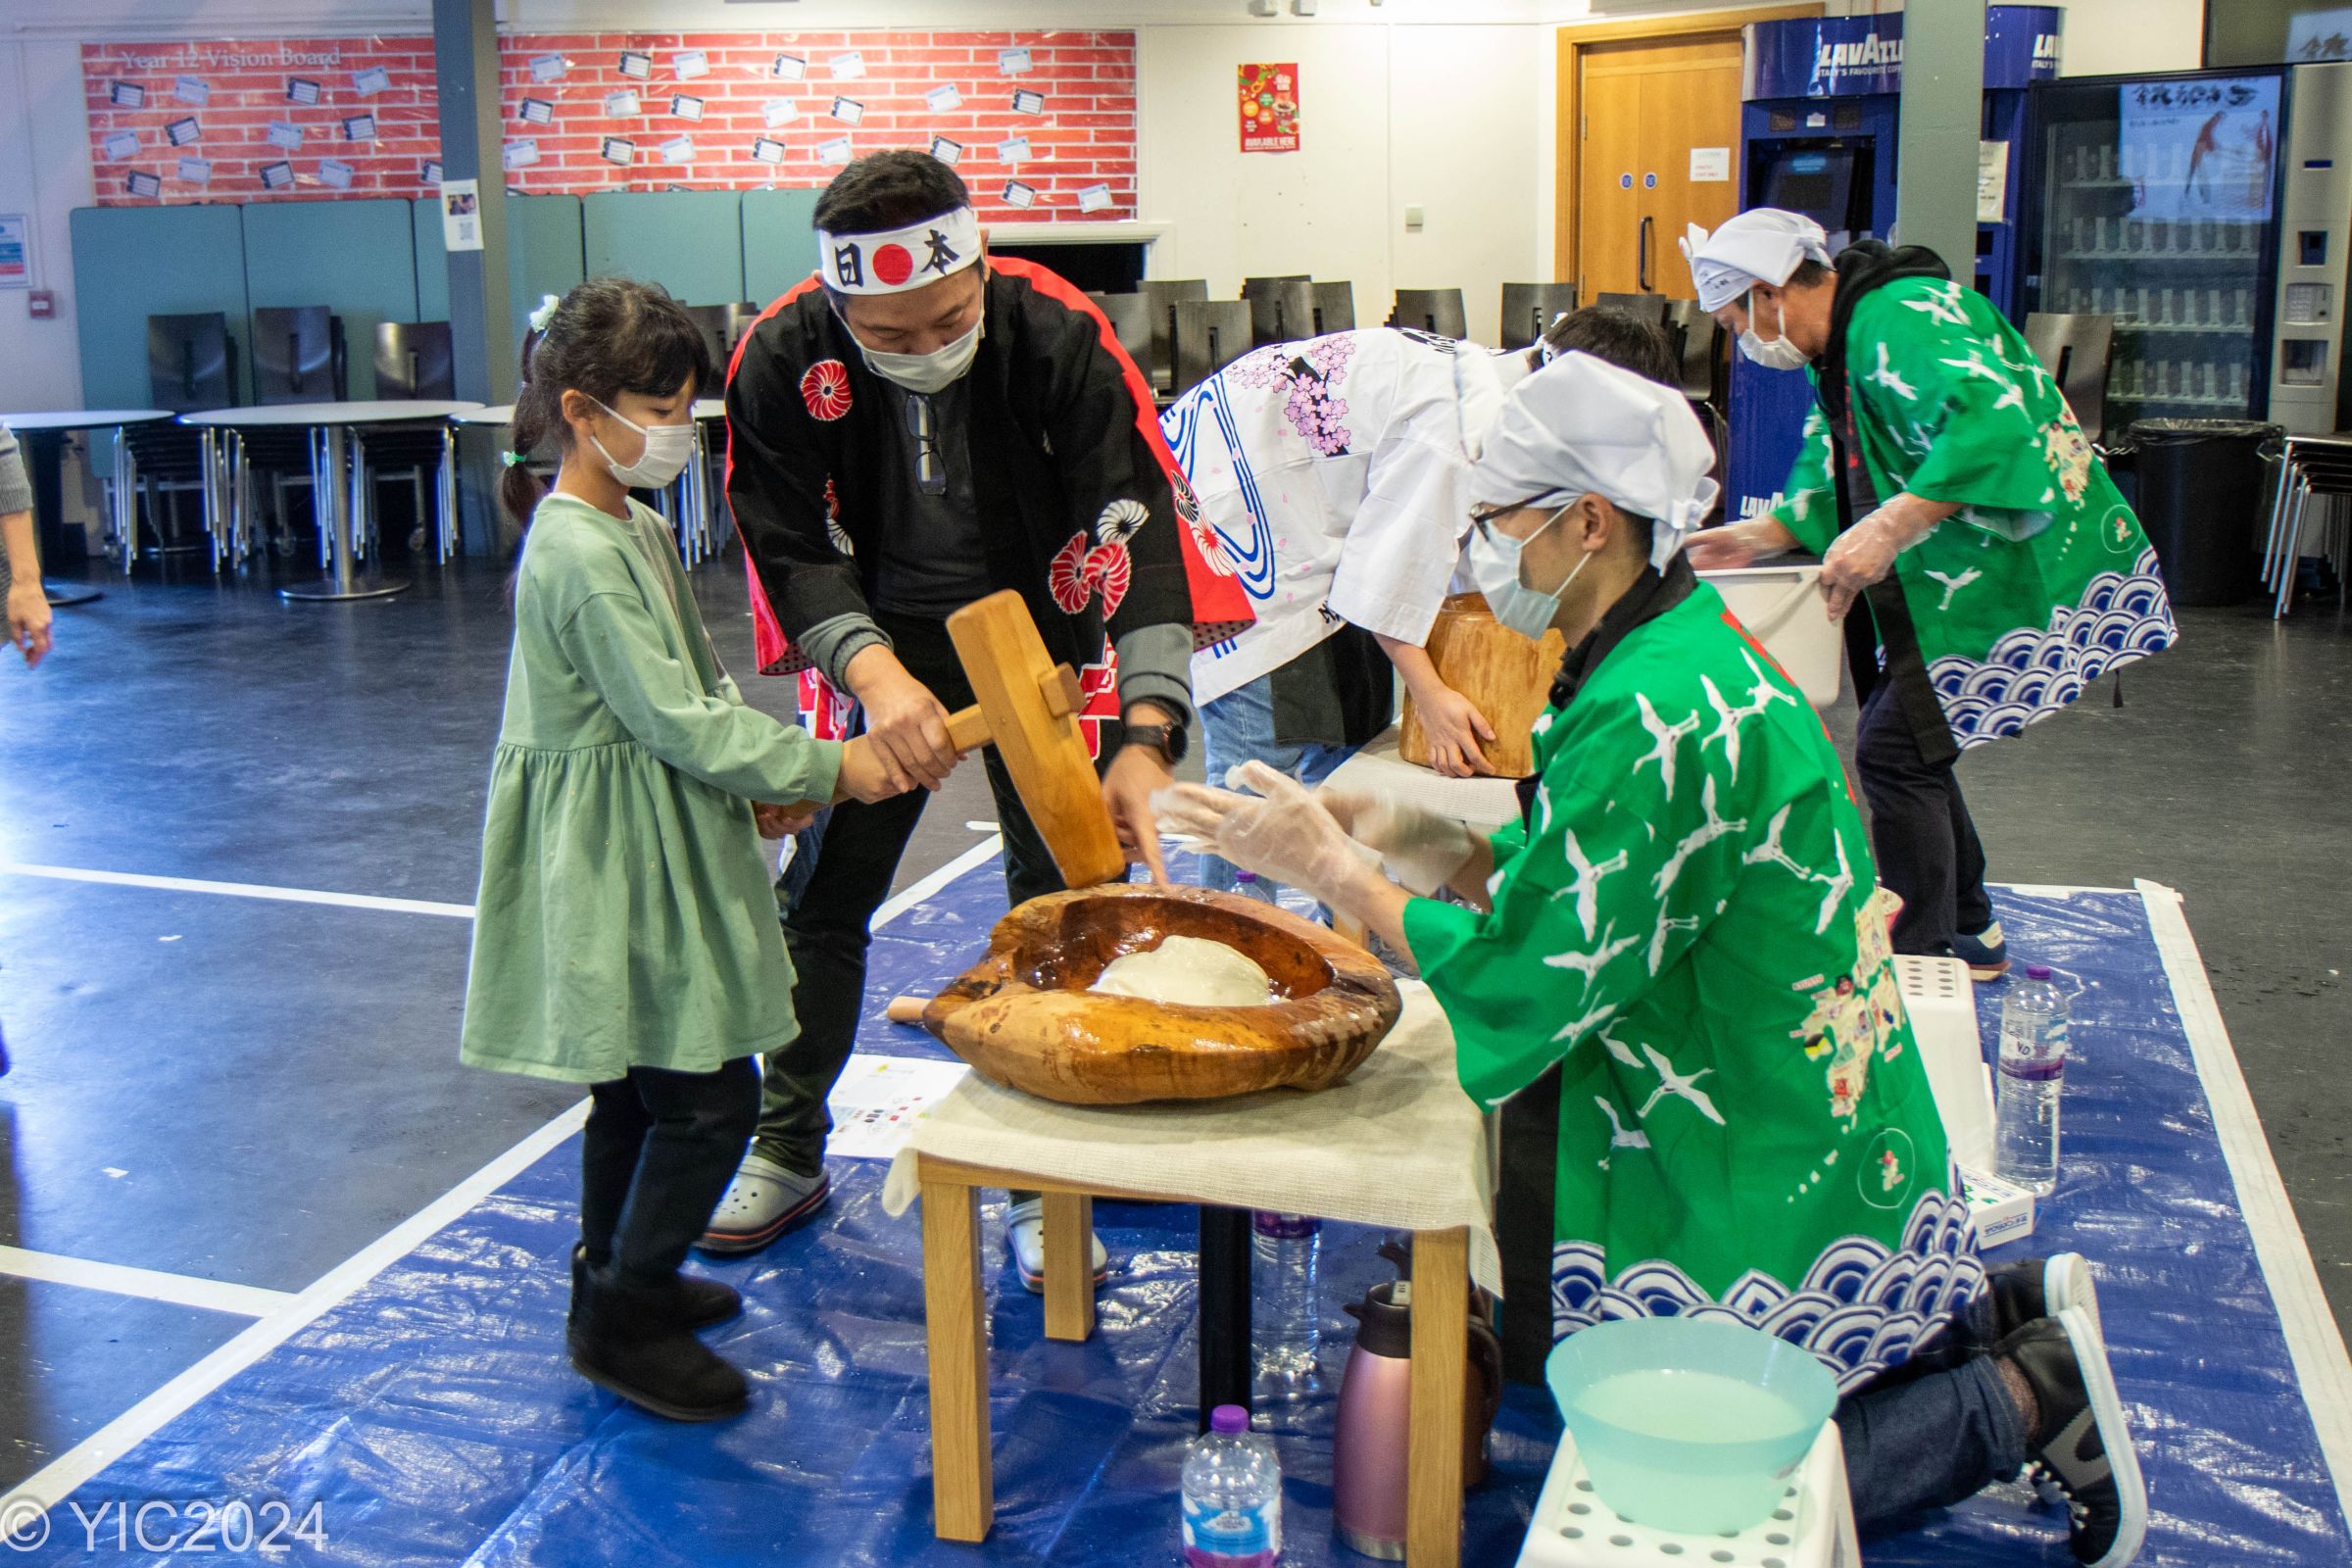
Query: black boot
626, 1339
695, 1302
2082, 1445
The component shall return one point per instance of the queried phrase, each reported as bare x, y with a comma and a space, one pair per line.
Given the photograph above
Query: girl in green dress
625, 936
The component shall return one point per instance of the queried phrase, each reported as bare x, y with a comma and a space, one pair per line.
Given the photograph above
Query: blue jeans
1932, 1431
1239, 728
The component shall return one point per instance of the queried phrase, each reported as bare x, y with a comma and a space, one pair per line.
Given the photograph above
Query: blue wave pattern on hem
2029, 674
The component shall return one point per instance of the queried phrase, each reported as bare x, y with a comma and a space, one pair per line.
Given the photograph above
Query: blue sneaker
1985, 953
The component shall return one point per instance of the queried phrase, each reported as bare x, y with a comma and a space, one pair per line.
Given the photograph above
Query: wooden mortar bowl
1024, 1017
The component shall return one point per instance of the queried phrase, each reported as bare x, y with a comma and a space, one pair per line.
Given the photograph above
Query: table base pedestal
330, 592
69, 593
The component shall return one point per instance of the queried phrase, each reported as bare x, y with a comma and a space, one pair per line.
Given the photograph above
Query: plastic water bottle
1288, 1324
1246, 884
1232, 1495
2034, 1019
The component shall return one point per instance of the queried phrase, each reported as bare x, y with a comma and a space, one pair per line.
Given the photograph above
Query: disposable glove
1419, 849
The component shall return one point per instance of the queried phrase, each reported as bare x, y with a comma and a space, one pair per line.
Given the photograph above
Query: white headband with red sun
896, 260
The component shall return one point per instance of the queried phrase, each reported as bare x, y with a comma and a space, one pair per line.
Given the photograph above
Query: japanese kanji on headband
896, 260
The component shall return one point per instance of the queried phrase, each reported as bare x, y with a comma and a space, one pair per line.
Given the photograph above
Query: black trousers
828, 927
658, 1154
1920, 829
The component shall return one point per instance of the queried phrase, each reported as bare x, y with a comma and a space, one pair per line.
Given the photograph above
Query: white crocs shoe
763, 1202
1025, 1238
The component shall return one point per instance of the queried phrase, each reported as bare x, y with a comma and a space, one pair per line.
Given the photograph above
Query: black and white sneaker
2087, 1454
2043, 1287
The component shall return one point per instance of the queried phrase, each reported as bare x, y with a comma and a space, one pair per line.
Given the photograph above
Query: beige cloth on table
1397, 1146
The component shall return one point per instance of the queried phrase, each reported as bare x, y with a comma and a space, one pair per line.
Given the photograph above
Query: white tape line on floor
117, 1279
239, 890
2313, 1340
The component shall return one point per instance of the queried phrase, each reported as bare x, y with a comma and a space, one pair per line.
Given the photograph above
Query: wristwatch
1170, 741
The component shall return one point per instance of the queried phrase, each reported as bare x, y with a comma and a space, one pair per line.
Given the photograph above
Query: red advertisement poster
1269, 102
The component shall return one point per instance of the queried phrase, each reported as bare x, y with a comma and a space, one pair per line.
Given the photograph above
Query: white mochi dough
1188, 971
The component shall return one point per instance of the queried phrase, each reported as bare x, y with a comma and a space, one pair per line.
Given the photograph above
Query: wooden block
963, 1496
905, 1010
967, 730
1064, 693
1006, 663
1069, 1266
1433, 1466
1506, 676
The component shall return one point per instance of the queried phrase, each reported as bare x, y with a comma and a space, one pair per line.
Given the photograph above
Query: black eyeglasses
930, 468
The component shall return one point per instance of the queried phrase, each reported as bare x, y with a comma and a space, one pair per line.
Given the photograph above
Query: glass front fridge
2155, 203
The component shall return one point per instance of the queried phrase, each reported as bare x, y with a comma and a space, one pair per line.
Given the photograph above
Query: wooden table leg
1226, 1364
1069, 1266
1432, 1519
964, 1499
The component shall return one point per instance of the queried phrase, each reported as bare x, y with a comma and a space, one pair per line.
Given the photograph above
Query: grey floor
253, 1090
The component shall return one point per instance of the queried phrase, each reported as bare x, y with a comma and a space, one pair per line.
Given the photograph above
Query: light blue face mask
1494, 561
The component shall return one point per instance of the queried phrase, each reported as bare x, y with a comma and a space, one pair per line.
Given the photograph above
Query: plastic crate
1813, 1527
1941, 1000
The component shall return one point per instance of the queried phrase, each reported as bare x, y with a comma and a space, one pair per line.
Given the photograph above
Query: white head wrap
1762, 245
1582, 425
894, 260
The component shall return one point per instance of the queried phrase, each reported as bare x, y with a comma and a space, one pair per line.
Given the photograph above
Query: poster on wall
2202, 147
1269, 104
461, 214
16, 260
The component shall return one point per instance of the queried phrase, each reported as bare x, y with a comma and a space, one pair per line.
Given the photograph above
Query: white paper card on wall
359, 127
1710, 165
848, 66
942, 98
1092, 198
767, 150
618, 150
1992, 182
284, 133
549, 67
277, 176
1014, 150
848, 111
779, 112
367, 83
121, 145
1027, 102
141, 183
127, 95
1014, 62
192, 90
947, 150
461, 214
522, 154
678, 149
685, 106
835, 151
16, 251
637, 63
623, 102
688, 64
195, 172
336, 173
537, 111
1018, 195
183, 131
789, 68
304, 91
428, 172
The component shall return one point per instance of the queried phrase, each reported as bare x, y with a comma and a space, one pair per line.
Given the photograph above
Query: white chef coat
1335, 473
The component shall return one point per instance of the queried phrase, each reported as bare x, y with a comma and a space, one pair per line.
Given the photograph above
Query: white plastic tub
1783, 606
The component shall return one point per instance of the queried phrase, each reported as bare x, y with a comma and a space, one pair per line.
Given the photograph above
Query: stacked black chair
1438, 310
1530, 309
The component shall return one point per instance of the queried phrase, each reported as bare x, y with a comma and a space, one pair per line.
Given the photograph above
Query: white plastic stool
1812, 1528
1941, 1002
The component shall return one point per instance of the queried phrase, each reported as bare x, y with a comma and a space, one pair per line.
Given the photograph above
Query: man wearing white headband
1687, 924
1945, 481
913, 428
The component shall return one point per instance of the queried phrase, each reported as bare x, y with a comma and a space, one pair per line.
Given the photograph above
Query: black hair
889, 190
1620, 338
1810, 273
607, 336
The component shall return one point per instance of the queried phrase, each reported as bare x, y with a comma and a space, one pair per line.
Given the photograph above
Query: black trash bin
2200, 496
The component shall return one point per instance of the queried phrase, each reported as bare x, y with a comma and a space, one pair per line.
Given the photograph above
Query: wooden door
1656, 112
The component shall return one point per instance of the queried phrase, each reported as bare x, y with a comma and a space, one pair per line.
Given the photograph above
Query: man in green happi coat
1944, 481
1686, 922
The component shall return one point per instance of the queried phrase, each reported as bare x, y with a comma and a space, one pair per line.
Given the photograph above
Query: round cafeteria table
43, 438
336, 421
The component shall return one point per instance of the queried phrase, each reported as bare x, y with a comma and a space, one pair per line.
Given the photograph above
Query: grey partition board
543, 256
779, 246
130, 263
688, 241
357, 258
433, 260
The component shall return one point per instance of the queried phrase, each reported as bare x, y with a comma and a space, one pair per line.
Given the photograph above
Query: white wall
2109, 37
44, 173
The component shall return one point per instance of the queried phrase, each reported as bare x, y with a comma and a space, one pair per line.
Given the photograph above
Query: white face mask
669, 448
1776, 352
1494, 563
930, 373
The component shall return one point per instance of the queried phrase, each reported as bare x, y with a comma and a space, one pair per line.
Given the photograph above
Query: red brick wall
1084, 137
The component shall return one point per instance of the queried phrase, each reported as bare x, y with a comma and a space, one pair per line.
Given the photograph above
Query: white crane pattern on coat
1586, 889
1677, 1085
1666, 736
1699, 838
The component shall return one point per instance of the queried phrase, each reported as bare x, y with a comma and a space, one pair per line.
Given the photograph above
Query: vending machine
1818, 126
